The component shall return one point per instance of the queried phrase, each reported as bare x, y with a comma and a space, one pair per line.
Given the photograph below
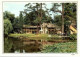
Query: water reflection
25, 45
16, 45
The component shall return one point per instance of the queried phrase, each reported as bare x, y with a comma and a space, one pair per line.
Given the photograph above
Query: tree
21, 20
26, 19
16, 25
69, 17
8, 15
62, 18
70, 12
7, 26
55, 8
58, 20
30, 13
18, 22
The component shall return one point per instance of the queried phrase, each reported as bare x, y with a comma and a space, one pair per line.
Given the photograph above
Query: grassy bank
61, 48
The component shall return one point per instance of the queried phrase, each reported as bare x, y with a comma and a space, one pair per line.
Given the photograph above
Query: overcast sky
16, 7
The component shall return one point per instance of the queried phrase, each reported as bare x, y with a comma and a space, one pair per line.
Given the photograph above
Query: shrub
7, 27
73, 36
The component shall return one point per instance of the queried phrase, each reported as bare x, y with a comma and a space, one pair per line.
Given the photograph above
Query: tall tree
69, 17
36, 12
21, 20
62, 18
70, 12
9, 16
55, 8
16, 25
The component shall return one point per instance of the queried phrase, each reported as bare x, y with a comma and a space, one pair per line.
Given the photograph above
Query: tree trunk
38, 16
62, 19
41, 13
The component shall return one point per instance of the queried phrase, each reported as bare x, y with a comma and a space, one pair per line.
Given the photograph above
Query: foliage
7, 45
73, 36
7, 27
18, 23
58, 20
34, 15
61, 48
37, 20
21, 20
55, 7
8, 15
69, 12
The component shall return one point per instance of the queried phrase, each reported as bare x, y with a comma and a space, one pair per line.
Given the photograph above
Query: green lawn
31, 36
21, 35
61, 48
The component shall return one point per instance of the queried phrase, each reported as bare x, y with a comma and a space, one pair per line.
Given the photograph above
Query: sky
16, 7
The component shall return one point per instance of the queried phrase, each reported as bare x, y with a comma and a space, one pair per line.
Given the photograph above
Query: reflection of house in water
43, 29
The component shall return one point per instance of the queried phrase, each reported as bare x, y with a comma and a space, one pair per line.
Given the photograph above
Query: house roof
27, 26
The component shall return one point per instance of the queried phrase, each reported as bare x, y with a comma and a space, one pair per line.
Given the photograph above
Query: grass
61, 48
37, 36
21, 35
31, 36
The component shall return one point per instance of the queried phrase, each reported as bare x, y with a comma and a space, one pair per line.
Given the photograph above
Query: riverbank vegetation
69, 47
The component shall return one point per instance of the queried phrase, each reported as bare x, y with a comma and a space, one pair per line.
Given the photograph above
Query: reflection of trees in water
15, 44
31, 48
11, 44
7, 45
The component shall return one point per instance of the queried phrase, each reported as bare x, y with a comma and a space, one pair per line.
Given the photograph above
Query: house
45, 28
30, 29
48, 28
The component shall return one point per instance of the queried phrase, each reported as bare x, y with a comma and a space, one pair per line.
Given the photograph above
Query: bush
73, 36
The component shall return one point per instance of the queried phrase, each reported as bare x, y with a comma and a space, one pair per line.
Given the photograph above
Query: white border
39, 54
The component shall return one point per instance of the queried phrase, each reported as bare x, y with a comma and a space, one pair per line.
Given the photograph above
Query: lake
21, 45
